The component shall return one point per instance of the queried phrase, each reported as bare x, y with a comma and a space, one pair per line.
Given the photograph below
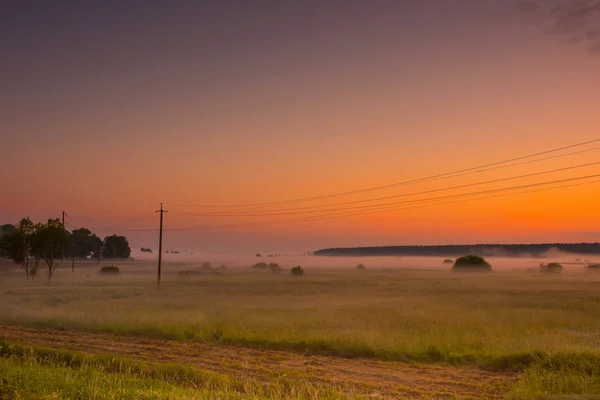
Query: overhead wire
316, 209
381, 187
394, 206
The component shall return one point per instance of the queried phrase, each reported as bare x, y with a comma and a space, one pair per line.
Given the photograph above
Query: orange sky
262, 105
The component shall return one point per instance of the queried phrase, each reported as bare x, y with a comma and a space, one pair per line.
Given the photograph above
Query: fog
570, 261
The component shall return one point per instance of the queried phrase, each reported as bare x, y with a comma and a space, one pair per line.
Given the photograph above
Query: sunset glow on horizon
109, 110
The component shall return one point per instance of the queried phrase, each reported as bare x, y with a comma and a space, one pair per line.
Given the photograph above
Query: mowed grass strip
34, 372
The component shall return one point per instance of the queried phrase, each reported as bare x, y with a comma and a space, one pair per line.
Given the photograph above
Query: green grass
542, 324
38, 373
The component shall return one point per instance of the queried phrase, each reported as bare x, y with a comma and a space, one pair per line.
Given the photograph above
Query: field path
377, 379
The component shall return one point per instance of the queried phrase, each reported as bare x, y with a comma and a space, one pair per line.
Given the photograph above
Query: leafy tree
50, 239
16, 245
82, 245
116, 247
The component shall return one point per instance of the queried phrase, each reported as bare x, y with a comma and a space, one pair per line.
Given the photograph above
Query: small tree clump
593, 266
297, 271
448, 261
361, 267
471, 263
110, 270
551, 267
275, 268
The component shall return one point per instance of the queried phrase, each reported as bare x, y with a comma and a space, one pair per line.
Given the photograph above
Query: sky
108, 108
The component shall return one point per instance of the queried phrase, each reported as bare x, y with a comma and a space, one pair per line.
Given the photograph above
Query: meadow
540, 329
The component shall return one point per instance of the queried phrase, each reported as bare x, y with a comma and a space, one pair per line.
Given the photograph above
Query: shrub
551, 267
206, 266
261, 266
297, 271
448, 261
361, 267
110, 270
471, 263
594, 266
223, 267
275, 268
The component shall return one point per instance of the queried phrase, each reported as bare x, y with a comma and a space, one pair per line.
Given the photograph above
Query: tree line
28, 244
505, 250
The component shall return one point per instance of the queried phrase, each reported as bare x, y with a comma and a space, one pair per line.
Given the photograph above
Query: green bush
448, 261
361, 267
110, 270
471, 263
551, 267
297, 271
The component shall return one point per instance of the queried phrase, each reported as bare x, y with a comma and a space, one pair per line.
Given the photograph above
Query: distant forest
503, 250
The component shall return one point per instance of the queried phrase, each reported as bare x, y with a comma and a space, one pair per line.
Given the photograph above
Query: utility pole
62, 250
161, 211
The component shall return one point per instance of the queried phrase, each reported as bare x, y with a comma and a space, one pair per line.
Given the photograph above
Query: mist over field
173, 261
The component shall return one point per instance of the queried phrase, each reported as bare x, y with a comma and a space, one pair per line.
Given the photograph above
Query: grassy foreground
543, 325
38, 373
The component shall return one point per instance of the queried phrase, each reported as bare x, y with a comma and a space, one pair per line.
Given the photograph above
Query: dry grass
503, 320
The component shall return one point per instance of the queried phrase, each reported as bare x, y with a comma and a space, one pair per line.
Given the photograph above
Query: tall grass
542, 324
45, 373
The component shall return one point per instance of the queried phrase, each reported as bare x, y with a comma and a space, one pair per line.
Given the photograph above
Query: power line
433, 177
390, 209
394, 206
316, 209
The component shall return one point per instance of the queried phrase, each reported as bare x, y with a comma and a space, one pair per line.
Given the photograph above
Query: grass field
542, 327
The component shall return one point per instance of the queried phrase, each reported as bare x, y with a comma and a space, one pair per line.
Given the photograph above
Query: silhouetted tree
16, 244
49, 240
116, 247
84, 243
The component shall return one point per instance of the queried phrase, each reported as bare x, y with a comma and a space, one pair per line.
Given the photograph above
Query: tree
116, 247
50, 239
85, 243
7, 228
16, 245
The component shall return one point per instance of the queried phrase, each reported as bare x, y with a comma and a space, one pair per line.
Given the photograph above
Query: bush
361, 267
110, 270
261, 266
448, 261
275, 268
471, 263
297, 271
551, 267
594, 266
206, 266
223, 267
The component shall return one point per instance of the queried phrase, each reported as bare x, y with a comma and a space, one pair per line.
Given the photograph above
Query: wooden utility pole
62, 249
161, 211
